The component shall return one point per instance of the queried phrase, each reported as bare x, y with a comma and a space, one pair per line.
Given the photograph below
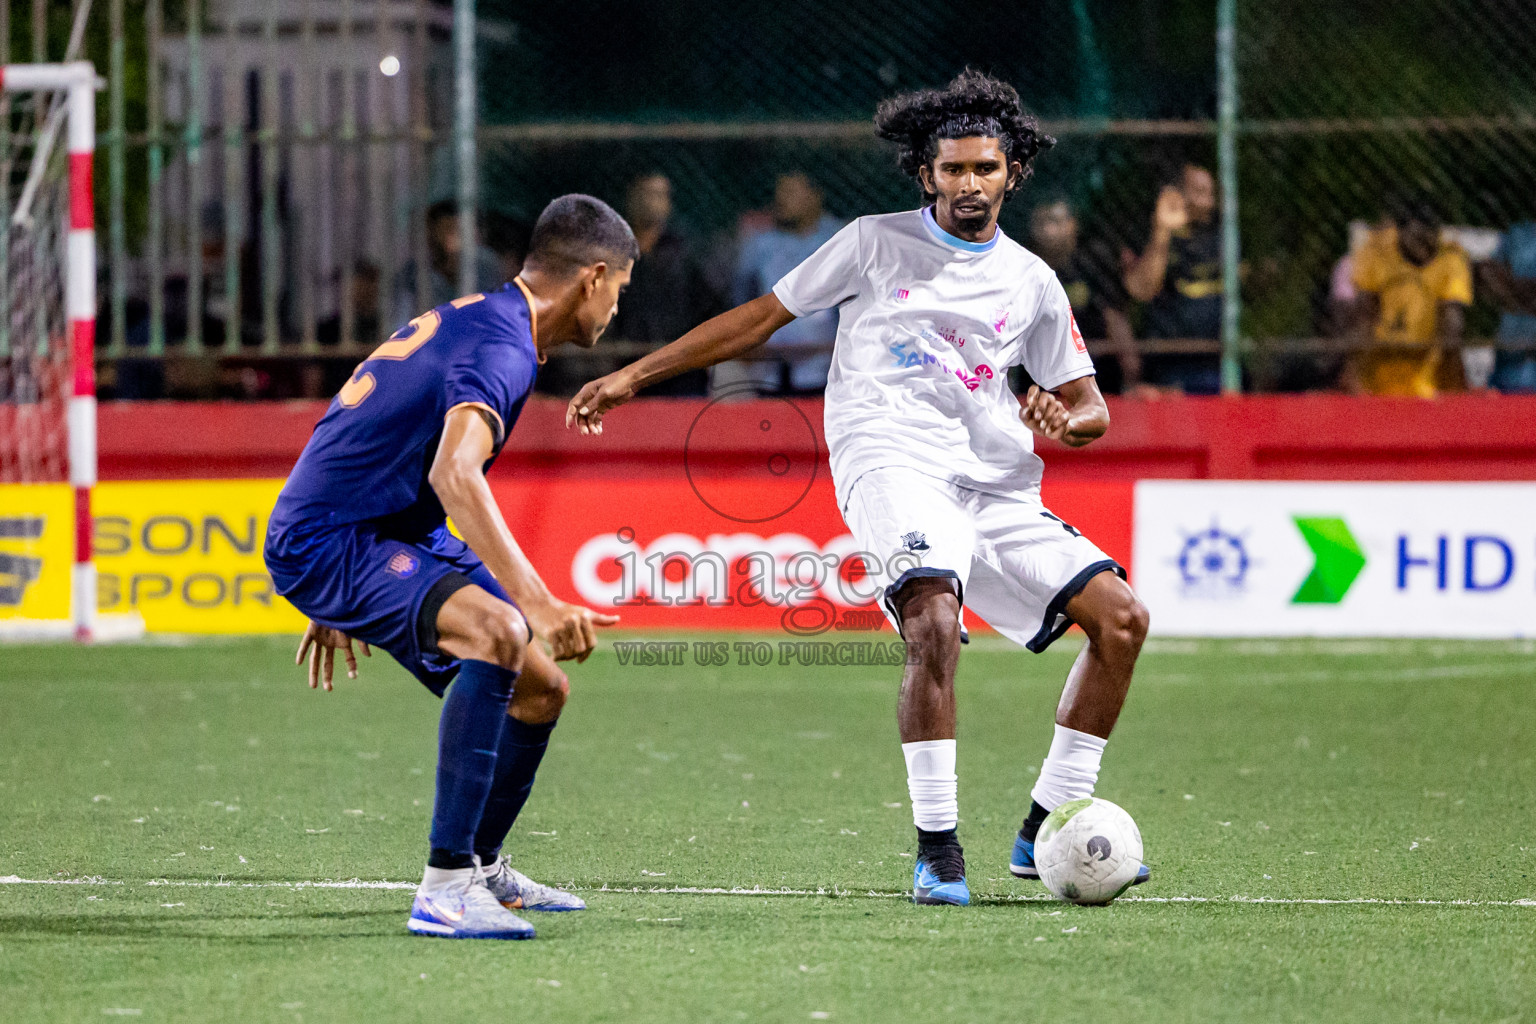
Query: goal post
49, 357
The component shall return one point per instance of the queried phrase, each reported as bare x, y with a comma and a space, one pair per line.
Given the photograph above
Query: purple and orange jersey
369, 456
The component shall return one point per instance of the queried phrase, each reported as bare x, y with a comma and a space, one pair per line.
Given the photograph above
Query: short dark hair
972, 105
577, 231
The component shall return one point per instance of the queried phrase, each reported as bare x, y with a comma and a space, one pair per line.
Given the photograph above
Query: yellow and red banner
699, 553
37, 549
185, 555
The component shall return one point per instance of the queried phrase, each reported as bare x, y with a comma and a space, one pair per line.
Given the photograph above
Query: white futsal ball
1088, 851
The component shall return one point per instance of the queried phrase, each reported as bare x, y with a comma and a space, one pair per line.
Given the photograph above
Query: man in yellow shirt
1414, 292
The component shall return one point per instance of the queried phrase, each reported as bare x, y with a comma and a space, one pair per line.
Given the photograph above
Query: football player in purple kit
359, 542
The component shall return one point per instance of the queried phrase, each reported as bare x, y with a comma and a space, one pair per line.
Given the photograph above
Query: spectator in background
1094, 290
667, 294
1178, 275
366, 329
1510, 280
799, 354
1414, 290
445, 249
508, 238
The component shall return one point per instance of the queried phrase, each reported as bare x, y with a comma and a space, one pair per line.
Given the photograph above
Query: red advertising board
731, 552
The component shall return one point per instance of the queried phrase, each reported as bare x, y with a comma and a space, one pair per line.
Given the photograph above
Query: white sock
438, 879
931, 784
1070, 769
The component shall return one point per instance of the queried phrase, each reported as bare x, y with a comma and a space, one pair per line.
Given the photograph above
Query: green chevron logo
1338, 560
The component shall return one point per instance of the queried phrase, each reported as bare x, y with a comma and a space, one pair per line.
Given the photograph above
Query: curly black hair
974, 104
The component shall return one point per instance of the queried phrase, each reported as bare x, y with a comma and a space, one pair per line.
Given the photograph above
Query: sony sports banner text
1337, 559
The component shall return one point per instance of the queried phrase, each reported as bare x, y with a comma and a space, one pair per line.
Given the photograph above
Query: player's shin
468, 739
938, 874
1070, 771
932, 785
517, 761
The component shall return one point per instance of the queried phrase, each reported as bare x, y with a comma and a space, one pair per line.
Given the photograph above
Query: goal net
47, 342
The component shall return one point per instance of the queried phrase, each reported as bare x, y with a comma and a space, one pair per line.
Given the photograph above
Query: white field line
1404, 674
693, 890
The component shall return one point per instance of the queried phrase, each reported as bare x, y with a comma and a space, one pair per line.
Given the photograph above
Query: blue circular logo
1213, 556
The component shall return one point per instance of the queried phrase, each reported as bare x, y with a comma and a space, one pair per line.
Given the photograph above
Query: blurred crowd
1394, 319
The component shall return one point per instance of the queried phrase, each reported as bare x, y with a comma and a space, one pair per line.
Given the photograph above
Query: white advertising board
1218, 558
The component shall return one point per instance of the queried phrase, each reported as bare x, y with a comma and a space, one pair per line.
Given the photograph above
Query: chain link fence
1351, 109
270, 164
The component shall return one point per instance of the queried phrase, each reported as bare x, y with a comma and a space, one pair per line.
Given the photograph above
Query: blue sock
522, 748
467, 740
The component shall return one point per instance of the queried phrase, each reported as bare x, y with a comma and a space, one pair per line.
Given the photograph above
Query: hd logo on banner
1217, 558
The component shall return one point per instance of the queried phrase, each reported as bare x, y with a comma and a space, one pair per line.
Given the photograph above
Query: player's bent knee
545, 703
1121, 629
1140, 621
503, 637
554, 697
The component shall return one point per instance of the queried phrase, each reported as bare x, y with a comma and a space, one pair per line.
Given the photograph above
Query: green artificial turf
1278, 771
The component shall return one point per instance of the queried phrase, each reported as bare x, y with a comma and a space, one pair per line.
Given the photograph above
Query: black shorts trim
426, 619
1057, 609
923, 572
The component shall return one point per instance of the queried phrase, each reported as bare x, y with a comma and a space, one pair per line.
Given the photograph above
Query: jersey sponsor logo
403, 564
948, 334
1077, 335
907, 356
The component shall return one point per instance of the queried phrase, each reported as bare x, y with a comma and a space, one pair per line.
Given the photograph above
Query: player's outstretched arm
1074, 415
458, 477
731, 334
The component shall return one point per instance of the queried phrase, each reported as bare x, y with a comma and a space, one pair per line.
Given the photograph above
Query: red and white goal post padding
77, 82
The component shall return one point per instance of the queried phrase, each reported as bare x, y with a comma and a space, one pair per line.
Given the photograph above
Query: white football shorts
1011, 561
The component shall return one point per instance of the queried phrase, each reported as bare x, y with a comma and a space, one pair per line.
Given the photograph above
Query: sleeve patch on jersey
500, 430
1077, 335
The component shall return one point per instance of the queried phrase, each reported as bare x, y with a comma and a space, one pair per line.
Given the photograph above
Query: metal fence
270, 164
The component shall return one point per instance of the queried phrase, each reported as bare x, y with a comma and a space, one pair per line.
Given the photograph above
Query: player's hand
568, 628
319, 646
1171, 214
596, 398
1044, 414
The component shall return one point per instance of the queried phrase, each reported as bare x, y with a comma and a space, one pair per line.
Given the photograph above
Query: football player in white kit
931, 452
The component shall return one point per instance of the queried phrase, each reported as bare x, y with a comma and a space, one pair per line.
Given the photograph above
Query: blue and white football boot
1022, 863
457, 905
938, 877
517, 891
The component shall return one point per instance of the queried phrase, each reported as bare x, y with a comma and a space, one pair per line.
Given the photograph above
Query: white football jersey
928, 326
